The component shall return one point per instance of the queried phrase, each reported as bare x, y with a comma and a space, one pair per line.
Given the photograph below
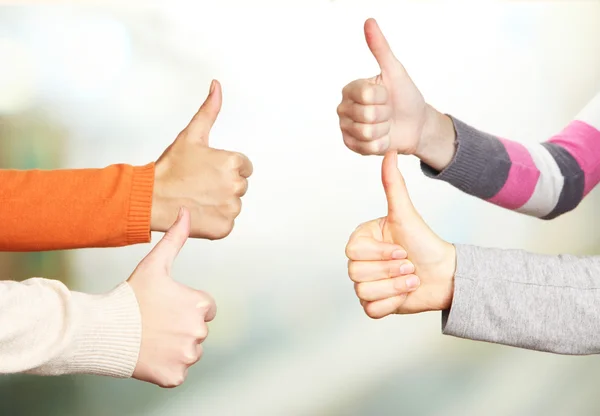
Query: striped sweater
543, 180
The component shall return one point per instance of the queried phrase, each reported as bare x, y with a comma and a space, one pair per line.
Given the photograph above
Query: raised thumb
400, 207
380, 49
166, 250
206, 116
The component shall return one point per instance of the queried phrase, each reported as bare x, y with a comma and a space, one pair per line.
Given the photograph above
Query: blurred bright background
91, 85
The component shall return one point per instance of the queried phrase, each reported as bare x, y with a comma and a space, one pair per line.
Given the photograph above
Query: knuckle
232, 161
371, 312
351, 251
366, 131
346, 124
203, 301
374, 147
347, 88
174, 380
189, 358
201, 332
366, 93
353, 270
369, 113
222, 230
237, 161
240, 187
235, 207
359, 289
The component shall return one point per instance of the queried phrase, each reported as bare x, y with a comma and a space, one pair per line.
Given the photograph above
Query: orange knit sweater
75, 208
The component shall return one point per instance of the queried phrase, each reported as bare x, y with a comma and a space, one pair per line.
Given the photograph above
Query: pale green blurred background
91, 85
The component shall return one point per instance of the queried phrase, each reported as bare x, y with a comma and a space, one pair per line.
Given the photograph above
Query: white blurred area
290, 338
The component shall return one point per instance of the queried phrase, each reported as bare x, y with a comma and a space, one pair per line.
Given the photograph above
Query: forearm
533, 301
543, 180
47, 330
65, 209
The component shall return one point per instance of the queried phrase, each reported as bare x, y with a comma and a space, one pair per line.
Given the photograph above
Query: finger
379, 46
199, 351
201, 124
363, 91
206, 306
363, 131
370, 114
381, 308
241, 187
245, 166
387, 288
201, 331
368, 271
167, 249
365, 148
399, 203
194, 355
365, 248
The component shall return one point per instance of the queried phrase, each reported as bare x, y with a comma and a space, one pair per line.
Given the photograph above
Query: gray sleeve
539, 302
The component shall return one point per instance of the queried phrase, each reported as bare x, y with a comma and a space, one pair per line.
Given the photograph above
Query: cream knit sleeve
46, 329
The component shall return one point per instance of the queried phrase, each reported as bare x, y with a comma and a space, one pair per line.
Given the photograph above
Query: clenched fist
386, 112
385, 281
174, 316
209, 182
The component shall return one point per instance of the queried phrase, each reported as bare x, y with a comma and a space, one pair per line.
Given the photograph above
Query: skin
208, 182
174, 316
386, 285
388, 112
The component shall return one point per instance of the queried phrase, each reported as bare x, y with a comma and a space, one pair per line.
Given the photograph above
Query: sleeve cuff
109, 338
140, 205
456, 320
465, 169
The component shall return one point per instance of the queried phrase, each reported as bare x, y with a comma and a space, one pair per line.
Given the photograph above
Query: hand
174, 316
388, 112
209, 182
386, 285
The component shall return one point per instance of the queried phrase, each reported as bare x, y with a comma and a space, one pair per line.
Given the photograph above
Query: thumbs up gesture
174, 316
399, 265
386, 112
209, 182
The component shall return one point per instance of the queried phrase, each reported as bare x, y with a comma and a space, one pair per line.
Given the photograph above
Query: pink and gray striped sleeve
543, 180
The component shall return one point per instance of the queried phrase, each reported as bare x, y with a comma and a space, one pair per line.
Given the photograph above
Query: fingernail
412, 282
180, 214
399, 254
407, 268
212, 87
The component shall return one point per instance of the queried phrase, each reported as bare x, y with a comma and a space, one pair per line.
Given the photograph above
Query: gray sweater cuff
480, 164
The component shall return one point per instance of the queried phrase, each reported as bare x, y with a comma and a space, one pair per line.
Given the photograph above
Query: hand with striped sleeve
388, 112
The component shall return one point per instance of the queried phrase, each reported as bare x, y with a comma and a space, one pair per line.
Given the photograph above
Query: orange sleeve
74, 208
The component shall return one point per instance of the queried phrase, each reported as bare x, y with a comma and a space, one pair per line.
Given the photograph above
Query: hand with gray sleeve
512, 297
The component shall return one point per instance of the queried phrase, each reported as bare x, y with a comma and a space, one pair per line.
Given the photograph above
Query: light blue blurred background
91, 85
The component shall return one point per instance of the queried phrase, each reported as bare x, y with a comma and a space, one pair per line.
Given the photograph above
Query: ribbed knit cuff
464, 171
140, 204
108, 339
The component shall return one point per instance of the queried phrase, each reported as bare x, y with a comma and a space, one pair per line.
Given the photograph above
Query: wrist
447, 273
437, 146
161, 205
